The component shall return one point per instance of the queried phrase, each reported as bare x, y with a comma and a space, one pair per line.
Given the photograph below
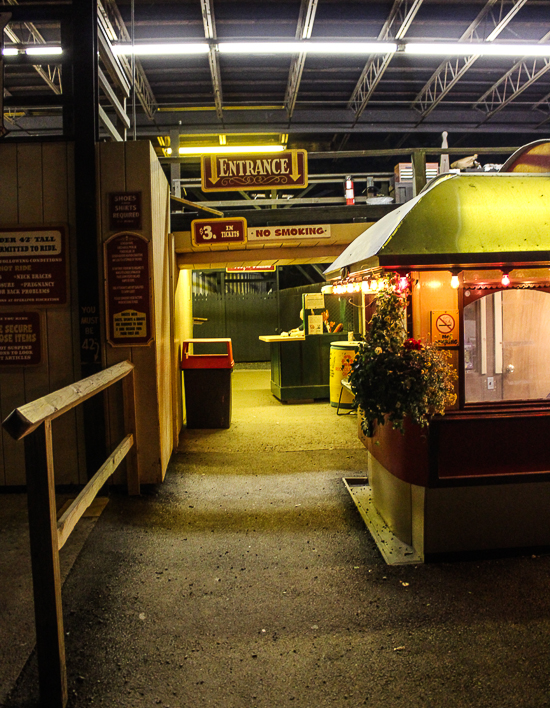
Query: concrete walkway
248, 579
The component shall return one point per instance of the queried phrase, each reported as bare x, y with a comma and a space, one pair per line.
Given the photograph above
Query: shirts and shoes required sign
226, 173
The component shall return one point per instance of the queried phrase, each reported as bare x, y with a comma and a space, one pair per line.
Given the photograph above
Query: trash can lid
344, 345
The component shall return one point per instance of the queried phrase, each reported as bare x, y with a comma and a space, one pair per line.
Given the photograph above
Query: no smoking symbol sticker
445, 323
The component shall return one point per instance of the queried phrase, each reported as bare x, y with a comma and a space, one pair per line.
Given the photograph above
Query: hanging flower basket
394, 376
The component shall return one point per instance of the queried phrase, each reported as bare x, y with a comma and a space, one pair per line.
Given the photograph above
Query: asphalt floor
248, 579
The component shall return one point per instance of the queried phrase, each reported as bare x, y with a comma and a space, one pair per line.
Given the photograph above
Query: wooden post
50, 639
419, 171
132, 459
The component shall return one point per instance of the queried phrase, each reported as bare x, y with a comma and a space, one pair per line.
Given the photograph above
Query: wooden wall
130, 167
36, 188
183, 323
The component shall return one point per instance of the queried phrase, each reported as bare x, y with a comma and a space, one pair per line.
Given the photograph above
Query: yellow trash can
342, 355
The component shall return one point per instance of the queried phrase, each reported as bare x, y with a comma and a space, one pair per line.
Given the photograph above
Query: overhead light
334, 47
10, 51
162, 49
296, 47
43, 49
229, 149
473, 48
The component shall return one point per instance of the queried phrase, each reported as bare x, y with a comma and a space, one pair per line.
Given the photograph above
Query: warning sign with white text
33, 266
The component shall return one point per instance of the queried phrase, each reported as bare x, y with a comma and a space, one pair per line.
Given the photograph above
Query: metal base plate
393, 550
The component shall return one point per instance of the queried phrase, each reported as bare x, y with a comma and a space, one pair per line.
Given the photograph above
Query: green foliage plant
393, 376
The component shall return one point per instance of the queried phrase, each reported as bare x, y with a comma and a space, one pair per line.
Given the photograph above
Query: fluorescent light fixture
482, 49
162, 49
43, 49
10, 51
230, 149
307, 46
321, 47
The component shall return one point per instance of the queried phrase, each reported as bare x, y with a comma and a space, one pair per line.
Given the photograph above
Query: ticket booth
300, 359
476, 248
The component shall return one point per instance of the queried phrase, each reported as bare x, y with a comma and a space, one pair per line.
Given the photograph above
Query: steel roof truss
523, 74
306, 18
51, 75
451, 71
395, 27
213, 57
109, 17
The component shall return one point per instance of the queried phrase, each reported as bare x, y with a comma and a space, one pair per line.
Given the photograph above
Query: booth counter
300, 365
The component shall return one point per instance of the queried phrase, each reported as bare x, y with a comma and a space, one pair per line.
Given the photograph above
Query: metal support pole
50, 639
175, 167
419, 171
86, 102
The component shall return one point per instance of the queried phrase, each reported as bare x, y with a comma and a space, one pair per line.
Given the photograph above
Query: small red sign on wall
216, 232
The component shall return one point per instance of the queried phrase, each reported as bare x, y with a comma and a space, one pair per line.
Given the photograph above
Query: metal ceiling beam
524, 73
52, 74
449, 72
395, 28
110, 18
213, 57
306, 18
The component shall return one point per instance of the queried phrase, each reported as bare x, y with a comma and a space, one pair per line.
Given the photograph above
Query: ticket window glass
507, 346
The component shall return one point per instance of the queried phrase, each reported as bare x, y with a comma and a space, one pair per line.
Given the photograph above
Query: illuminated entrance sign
216, 232
226, 173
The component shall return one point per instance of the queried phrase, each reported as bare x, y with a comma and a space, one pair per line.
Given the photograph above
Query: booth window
507, 346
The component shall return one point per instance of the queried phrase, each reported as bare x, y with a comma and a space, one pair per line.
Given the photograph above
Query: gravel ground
248, 579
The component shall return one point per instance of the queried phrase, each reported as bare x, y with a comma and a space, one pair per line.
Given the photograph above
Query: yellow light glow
365, 286
230, 149
455, 282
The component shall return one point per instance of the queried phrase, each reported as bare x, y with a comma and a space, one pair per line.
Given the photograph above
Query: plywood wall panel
111, 178
29, 184
134, 167
36, 187
63, 368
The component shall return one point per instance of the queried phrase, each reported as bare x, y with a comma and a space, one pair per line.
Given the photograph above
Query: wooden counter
300, 365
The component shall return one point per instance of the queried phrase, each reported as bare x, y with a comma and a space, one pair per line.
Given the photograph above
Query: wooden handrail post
50, 639
132, 459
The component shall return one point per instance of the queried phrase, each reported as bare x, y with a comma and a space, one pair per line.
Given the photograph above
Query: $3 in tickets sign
216, 232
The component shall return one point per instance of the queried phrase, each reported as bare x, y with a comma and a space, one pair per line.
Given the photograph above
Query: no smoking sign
445, 327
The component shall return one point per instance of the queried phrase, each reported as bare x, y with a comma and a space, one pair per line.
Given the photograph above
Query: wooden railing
33, 422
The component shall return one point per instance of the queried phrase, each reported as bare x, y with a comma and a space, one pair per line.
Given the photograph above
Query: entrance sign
124, 210
33, 267
215, 232
20, 338
445, 327
289, 233
128, 290
226, 173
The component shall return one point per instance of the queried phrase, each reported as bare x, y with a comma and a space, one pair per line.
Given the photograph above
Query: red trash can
207, 385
